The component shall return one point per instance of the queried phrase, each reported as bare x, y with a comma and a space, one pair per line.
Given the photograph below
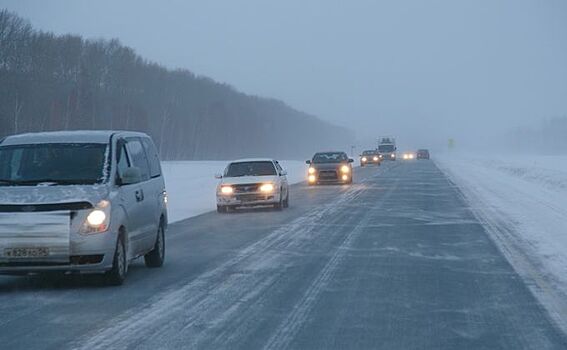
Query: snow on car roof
252, 160
78, 136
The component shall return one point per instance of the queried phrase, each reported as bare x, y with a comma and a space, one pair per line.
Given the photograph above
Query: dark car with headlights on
330, 167
422, 154
370, 157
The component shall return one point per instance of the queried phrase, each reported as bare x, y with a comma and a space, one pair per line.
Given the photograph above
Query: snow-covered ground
522, 201
191, 185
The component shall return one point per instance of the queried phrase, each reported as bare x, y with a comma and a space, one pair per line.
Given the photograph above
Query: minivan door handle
139, 195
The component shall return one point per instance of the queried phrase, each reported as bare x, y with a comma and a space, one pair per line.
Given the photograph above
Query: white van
81, 201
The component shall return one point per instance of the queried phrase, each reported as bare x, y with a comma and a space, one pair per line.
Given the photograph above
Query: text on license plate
26, 252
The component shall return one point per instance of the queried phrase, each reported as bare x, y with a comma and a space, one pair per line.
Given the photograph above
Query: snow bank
191, 185
523, 203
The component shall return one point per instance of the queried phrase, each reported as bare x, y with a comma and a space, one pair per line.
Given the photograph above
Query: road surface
395, 261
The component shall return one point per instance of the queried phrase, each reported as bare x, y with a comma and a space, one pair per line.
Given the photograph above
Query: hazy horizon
424, 72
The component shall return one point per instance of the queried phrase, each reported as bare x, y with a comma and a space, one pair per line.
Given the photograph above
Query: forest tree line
549, 137
64, 82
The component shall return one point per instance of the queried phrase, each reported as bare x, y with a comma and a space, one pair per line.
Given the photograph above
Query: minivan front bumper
68, 251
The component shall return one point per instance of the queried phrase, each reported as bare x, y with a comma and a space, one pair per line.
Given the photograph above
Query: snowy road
397, 261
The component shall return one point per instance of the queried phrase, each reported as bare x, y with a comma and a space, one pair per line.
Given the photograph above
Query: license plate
26, 252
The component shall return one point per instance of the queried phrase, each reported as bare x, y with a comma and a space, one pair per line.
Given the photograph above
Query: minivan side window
138, 157
153, 158
122, 161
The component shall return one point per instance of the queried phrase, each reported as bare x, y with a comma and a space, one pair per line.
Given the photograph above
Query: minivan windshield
53, 164
261, 168
330, 157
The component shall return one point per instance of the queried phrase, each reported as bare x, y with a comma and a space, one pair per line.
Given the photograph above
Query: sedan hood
249, 180
28, 195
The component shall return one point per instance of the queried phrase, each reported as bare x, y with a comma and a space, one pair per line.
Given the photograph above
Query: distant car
370, 157
330, 167
422, 154
387, 151
408, 155
252, 182
81, 201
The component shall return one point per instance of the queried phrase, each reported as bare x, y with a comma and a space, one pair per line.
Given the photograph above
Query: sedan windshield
54, 163
330, 157
369, 153
262, 168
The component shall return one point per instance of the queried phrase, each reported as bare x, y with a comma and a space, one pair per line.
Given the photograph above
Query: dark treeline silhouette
550, 137
52, 82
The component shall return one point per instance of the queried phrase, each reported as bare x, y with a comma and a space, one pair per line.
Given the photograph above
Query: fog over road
396, 261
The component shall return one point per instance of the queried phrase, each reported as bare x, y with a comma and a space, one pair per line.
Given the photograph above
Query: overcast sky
421, 70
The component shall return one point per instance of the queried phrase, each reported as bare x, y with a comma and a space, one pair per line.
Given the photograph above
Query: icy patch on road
195, 312
522, 202
191, 185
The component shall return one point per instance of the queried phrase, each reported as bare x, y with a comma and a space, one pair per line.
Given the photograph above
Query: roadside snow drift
191, 185
523, 203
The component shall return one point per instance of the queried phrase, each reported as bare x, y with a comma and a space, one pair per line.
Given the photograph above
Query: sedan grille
246, 188
328, 175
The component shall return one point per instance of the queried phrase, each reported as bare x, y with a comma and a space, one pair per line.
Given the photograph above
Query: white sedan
252, 182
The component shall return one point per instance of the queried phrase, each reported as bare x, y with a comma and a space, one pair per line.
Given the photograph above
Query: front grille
246, 188
73, 260
253, 197
86, 259
34, 208
328, 175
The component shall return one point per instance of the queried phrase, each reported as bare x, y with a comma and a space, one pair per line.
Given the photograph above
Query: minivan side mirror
131, 175
350, 160
308, 162
218, 176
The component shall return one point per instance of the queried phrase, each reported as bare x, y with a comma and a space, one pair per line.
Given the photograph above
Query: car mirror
307, 162
283, 173
350, 160
131, 176
218, 176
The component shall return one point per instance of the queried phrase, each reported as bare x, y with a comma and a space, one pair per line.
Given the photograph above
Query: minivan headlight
98, 219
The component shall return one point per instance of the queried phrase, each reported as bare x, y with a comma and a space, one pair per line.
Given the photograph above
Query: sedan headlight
227, 190
392, 155
267, 188
364, 159
375, 158
345, 169
311, 170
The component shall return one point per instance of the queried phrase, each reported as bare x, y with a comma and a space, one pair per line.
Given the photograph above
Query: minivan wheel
117, 274
156, 257
286, 201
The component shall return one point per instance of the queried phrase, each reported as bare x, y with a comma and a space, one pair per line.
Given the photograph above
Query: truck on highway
387, 148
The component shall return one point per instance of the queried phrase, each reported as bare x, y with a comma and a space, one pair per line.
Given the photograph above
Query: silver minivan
81, 201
